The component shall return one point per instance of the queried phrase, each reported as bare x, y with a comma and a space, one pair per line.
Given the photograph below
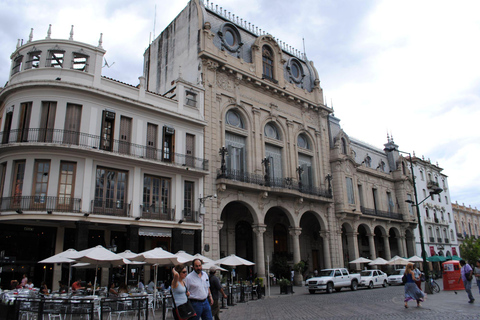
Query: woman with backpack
412, 292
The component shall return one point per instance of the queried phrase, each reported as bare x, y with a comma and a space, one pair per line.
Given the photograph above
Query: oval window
229, 38
271, 131
295, 71
234, 119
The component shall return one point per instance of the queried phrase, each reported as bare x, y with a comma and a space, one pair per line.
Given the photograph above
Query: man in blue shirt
200, 296
466, 276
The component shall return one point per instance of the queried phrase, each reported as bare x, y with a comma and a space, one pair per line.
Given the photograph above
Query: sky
408, 68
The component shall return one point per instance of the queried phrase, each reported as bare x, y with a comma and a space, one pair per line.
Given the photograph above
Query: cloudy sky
409, 68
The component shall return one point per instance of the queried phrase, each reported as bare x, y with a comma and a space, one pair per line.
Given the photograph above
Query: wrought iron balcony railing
110, 208
189, 215
379, 213
40, 203
432, 239
282, 183
154, 212
84, 140
432, 184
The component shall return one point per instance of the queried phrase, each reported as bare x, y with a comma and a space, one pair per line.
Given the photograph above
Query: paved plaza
378, 303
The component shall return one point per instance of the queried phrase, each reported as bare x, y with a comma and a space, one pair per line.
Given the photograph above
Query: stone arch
279, 242
363, 233
288, 214
241, 110
278, 61
348, 243
379, 240
312, 240
394, 240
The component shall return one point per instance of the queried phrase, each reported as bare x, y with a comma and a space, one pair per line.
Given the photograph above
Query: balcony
432, 239
40, 203
154, 212
278, 183
189, 215
379, 213
439, 240
110, 208
92, 142
447, 241
432, 184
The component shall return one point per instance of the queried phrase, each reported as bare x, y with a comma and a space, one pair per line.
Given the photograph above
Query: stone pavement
378, 303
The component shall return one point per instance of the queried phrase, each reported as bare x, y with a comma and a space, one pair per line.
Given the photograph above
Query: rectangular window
360, 195
24, 121
375, 199
410, 206
108, 126
18, 177
190, 150
73, 117
55, 58
33, 61
188, 201
235, 158
125, 135
191, 98
351, 198
17, 65
168, 144
40, 182
7, 127
274, 154
152, 130
47, 121
66, 184
110, 191
446, 200
79, 61
156, 195
391, 205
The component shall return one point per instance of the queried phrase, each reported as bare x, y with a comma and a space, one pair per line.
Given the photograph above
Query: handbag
184, 311
468, 276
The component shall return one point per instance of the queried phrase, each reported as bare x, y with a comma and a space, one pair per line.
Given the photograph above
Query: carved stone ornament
211, 65
207, 26
224, 82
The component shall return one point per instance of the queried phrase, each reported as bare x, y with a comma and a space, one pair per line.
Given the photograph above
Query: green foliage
470, 249
280, 267
299, 267
284, 282
259, 282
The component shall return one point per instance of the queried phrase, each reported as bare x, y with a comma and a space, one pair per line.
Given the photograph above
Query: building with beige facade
467, 221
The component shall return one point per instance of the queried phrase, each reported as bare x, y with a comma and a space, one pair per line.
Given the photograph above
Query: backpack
404, 278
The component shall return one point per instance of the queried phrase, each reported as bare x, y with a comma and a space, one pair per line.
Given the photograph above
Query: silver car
396, 277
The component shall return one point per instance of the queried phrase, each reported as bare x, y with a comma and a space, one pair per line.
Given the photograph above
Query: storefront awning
155, 232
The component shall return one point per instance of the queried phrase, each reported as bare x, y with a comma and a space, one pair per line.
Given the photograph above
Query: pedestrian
412, 292
477, 274
24, 281
466, 276
199, 287
141, 286
179, 289
418, 275
215, 288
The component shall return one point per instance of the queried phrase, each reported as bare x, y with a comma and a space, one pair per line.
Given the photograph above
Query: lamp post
266, 163
300, 171
428, 288
223, 167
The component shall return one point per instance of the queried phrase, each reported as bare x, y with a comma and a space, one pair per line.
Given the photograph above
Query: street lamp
416, 204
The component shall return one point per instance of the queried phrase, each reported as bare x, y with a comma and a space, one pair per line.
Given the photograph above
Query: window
391, 205
427, 214
47, 121
33, 61
439, 198
424, 193
24, 121
152, 133
360, 194
404, 168
7, 127
110, 191
73, 117
66, 184
191, 99
344, 146
233, 119
430, 232
106, 134
17, 64
302, 142
230, 38
55, 58
410, 206
351, 198
40, 184
305, 163
449, 217
188, 202
274, 154
18, 177
125, 135
422, 176
156, 194
235, 159
267, 58
375, 199
80, 61
190, 150
271, 131
452, 235
295, 71
445, 234
3, 170
446, 200
168, 144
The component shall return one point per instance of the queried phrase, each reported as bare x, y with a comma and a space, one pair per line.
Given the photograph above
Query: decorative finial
18, 43
388, 137
179, 71
30, 37
49, 32
100, 41
71, 34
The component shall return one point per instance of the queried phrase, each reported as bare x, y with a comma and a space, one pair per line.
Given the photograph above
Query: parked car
371, 278
396, 277
329, 279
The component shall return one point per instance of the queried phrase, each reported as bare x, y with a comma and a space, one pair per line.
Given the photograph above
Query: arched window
303, 142
344, 146
422, 177
404, 169
267, 59
271, 131
452, 235
273, 153
235, 144
234, 119
427, 213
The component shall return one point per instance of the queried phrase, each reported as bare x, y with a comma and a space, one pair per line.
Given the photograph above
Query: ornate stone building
467, 221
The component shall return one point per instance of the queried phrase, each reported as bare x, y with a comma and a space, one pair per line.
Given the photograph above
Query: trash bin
451, 274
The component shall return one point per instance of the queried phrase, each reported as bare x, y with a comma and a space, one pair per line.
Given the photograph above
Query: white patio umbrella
360, 260
203, 258
415, 259
184, 257
378, 262
398, 261
63, 257
98, 256
233, 260
127, 254
157, 257
208, 265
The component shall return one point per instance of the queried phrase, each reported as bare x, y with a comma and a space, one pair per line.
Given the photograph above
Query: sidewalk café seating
247, 291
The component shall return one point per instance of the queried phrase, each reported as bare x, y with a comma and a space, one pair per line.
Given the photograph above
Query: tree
470, 249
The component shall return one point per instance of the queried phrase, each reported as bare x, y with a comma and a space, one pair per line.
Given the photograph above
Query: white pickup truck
329, 279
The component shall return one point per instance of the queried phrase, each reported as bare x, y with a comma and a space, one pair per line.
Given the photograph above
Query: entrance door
125, 135
190, 150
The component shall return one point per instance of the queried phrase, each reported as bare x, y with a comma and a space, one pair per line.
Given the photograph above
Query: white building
87, 160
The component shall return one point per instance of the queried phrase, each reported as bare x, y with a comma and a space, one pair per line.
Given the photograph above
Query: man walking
199, 287
215, 288
466, 276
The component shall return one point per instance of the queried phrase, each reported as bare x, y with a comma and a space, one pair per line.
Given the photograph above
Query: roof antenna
106, 64
154, 21
304, 53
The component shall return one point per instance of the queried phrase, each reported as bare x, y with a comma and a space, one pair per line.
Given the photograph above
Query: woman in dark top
412, 292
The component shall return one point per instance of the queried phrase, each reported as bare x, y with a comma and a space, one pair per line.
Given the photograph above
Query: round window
302, 142
271, 131
295, 71
234, 119
229, 38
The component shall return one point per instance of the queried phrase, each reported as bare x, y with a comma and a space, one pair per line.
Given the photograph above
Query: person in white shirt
151, 287
200, 296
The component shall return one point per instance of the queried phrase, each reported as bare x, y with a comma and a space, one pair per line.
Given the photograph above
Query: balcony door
24, 122
274, 154
73, 117
125, 135
47, 121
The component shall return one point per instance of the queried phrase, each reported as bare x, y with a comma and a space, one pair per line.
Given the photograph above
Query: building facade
436, 211
88, 160
467, 221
